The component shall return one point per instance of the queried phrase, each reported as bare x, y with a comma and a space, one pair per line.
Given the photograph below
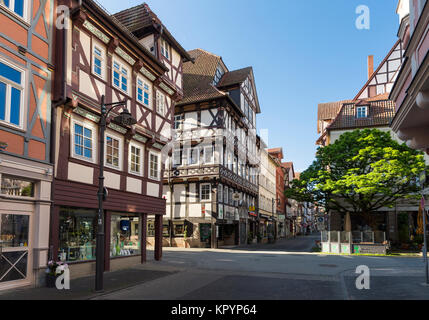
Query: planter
50, 280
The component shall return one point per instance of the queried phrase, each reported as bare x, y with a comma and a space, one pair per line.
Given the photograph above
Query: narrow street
297, 244
282, 271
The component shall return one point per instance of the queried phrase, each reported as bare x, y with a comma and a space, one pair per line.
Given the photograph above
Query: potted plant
54, 270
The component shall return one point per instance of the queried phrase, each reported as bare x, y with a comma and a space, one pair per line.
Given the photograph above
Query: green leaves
363, 171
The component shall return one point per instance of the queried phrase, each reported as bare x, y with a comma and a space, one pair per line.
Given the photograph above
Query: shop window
16, 187
78, 230
14, 230
151, 228
179, 230
124, 235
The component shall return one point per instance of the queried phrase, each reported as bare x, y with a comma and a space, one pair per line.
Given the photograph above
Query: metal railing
353, 237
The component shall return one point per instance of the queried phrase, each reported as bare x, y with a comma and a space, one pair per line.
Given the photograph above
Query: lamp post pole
124, 118
100, 231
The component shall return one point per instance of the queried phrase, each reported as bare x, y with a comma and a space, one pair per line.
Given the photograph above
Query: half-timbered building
99, 56
25, 128
158, 40
211, 181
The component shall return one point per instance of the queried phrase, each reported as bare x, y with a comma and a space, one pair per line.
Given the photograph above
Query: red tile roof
381, 113
141, 17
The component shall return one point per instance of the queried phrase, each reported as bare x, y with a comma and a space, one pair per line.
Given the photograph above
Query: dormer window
219, 74
362, 112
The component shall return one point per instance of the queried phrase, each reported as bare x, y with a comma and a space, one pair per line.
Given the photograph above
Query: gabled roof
381, 113
198, 78
328, 111
386, 72
141, 17
234, 77
274, 151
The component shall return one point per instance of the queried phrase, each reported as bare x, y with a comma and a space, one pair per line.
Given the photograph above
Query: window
225, 194
112, 152
361, 112
11, 95
220, 193
124, 233
120, 76
165, 49
205, 192
218, 75
77, 233
143, 92
178, 122
136, 159
154, 166
193, 155
16, 187
208, 154
160, 103
177, 158
83, 145
19, 7
98, 61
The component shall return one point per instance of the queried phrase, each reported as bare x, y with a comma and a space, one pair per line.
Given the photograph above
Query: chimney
370, 66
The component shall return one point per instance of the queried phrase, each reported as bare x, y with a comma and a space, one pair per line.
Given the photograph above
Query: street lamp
126, 119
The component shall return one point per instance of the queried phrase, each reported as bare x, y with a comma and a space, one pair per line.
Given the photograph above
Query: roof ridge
129, 9
210, 53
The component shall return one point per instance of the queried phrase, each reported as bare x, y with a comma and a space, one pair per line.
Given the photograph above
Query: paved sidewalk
83, 288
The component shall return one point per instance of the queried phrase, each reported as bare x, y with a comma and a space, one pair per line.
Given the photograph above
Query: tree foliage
363, 171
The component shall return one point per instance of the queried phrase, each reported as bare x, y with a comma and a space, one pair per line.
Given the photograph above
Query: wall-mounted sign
203, 209
236, 196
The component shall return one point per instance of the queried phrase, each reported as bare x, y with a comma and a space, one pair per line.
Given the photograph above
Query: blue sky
302, 53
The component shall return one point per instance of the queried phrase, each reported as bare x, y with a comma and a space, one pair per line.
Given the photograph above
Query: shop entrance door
14, 250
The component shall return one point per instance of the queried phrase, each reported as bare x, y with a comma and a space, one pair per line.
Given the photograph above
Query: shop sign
236, 196
252, 209
203, 209
282, 217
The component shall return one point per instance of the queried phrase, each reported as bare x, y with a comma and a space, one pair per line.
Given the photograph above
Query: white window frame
94, 140
120, 153
201, 192
22, 88
101, 48
144, 90
160, 102
10, 8
359, 109
158, 155
165, 49
138, 146
122, 66
178, 121
175, 151
204, 155
189, 150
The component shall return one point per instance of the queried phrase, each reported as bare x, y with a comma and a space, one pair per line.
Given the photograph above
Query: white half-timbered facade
211, 183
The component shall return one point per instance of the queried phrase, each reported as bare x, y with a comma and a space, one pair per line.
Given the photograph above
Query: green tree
363, 171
